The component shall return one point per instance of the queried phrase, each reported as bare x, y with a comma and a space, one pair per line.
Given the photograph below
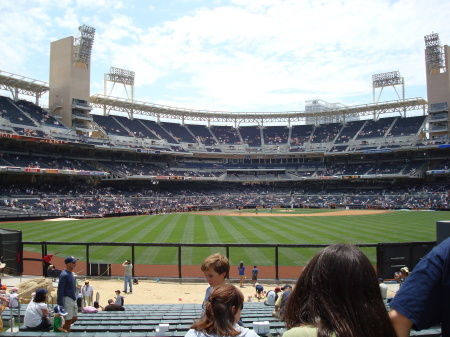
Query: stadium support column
70, 75
438, 87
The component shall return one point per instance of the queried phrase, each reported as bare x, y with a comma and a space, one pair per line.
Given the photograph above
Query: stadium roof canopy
18, 84
110, 103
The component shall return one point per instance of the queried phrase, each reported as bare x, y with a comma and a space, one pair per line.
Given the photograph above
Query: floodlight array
118, 75
434, 52
84, 43
387, 79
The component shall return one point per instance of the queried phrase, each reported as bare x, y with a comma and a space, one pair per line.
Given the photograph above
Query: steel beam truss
110, 103
18, 84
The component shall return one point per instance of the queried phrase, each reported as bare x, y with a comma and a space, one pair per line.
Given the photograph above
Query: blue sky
233, 55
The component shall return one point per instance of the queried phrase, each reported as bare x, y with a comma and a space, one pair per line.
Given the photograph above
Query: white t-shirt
87, 290
14, 300
271, 297
33, 314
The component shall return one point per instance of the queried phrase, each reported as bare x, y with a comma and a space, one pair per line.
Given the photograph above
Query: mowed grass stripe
273, 229
236, 236
256, 235
388, 227
164, 227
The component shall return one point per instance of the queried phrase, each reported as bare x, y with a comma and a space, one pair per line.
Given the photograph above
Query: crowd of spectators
87, 200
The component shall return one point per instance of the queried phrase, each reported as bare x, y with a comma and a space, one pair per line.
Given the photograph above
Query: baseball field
277, 226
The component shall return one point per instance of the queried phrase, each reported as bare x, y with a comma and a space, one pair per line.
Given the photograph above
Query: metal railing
380, 247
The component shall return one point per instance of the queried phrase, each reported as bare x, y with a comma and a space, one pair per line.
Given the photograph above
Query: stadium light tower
390, 79
122, 76
434, 54
83, 44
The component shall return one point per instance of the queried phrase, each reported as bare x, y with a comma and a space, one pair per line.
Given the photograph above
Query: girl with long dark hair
222, 312
337, 295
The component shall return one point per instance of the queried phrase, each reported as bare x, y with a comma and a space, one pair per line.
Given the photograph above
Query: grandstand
376, 145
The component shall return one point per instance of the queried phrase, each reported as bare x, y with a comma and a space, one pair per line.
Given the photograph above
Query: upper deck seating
10, 111
38, 114
202, 134
409, 126
326, 133
136, 127
111, 126
251, 135
275, 135
349, 131
376, 129
301, 134
226, 134
179, 132
158, 130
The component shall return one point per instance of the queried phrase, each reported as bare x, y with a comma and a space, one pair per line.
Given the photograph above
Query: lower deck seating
142, 320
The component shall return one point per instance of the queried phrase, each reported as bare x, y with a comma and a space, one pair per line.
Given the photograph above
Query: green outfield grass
398, 226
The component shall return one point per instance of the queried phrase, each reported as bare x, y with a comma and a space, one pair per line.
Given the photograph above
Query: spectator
36, 314
272, 296
128, 275
337, 295
66, 296
113, 306
241, 270
259, 290
119, 299
424, 298
222, 312
255, 275
14, 300
46, 260
281, 302
87, 292
401, 275
58, 320
98, 306
216, 268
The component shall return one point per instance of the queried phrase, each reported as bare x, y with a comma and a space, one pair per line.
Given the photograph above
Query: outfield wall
390, 258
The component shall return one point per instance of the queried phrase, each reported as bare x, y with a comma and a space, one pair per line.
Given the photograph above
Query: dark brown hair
219, 315
217, 262
338, 293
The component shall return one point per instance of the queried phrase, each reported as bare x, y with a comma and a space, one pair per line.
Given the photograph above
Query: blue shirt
66, 286
424, 297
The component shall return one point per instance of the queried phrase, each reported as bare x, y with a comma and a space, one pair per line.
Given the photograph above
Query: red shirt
47, 258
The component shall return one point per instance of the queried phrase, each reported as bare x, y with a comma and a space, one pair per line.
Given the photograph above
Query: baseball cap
70, 259
41, 291
286, 286
60, 310
277, 289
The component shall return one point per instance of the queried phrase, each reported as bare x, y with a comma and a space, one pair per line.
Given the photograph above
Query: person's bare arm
401, 324
45, 312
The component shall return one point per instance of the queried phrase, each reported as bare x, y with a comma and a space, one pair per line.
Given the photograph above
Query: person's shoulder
301, 331
246, 332
41, 305
194, 333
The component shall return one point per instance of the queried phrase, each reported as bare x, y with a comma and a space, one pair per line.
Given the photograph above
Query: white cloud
238, 55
